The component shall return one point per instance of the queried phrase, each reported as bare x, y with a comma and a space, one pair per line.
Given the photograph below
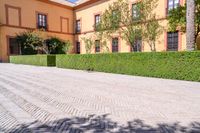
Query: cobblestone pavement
40, 99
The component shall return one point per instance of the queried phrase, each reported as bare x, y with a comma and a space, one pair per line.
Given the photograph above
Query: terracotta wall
20, 15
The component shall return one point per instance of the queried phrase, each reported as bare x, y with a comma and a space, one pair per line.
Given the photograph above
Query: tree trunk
190, 31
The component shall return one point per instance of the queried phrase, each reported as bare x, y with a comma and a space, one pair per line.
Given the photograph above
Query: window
114, 13
137, 46
116, 16
97, 20
78, 48
97, 46
172, 4
14, 47
115, 44
136, 11
78, 26
42, 21
172, 41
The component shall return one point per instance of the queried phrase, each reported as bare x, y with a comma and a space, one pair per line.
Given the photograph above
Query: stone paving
45, 99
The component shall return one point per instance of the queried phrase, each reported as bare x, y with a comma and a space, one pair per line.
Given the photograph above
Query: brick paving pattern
44, 99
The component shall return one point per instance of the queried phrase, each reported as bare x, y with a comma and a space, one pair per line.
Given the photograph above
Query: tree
152, 32
177, 20
89, 44
30, 42
57, 46
190, 25
25, 49
130, 24
33, 42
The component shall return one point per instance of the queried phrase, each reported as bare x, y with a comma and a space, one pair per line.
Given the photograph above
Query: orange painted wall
22, 17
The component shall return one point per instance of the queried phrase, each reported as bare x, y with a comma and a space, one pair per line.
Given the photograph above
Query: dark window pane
14, 47
136, 11
173, 4
78, 26
78, 48
42, 21
137, 46
97, 46
97, 19
115, 44
172, 41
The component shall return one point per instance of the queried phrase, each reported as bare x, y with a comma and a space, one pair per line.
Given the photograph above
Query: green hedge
38, 60
170, 65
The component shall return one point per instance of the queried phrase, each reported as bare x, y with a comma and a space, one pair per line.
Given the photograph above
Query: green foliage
177, 18
152, 32
29, 42
170, 65
57, 46
37, 60
89, 44
33, 42
67, 46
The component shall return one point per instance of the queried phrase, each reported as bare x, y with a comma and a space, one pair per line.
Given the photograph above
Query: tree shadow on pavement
102, 124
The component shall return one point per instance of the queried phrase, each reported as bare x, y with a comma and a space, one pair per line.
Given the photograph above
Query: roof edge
85, 4
75, 7
57, 4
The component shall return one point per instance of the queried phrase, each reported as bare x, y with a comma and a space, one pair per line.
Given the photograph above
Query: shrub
57, 46
170, 65
38, 60
28, 42
33, 42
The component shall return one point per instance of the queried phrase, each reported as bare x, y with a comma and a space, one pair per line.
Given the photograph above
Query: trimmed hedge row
170, 65
37, 60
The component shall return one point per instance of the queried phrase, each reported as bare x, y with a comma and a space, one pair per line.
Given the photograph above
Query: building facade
74, 21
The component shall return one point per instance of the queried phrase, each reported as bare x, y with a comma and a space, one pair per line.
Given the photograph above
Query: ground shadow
102, 124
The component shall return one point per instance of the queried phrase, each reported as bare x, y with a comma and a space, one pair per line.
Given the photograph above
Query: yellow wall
86, 14
28, 20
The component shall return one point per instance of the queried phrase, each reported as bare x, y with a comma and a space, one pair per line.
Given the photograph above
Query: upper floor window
136, 11
115, 44
97, 19
172, 41
114, 13
97, 46
172, 4
115, 19
42, 21
78, 26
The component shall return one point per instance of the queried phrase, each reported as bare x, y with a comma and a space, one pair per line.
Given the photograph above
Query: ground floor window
172, 41
115, 45
97, 46
14, 47
78, 48
137, 46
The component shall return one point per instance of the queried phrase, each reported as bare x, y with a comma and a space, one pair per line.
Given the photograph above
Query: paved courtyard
41, 99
